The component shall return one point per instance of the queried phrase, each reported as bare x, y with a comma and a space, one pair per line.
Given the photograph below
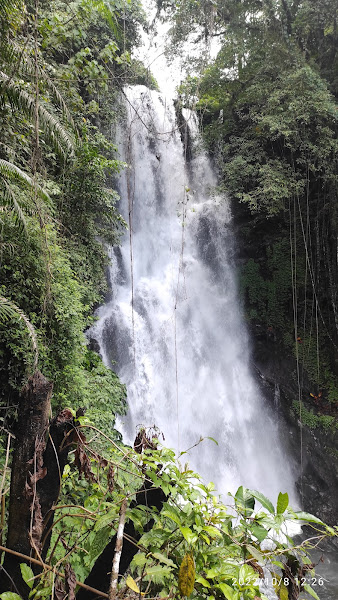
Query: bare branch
118, 551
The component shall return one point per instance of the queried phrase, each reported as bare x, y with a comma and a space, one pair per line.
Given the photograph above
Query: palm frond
110, 15
9, 6
11, 14
7, 247
26, 68
56, 134
11, 172
20, 99
9, 199
9, 310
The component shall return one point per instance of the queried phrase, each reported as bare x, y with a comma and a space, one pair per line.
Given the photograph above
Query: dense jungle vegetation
62, 66
268, 107
69, 490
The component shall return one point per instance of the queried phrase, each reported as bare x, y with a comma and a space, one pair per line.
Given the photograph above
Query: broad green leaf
105, 520
278, 564
244, 499
259, 532
311, 591
131, 583
188, 535
265, 502
247, 574
282, 503
134, 515
212, 573
158, 569
157, 574
171, 515
164, 559
227, 591
212, 531
99, 542
229, 571
304, 516
139, 559
255, 552
27, 574
10, 596
203, 581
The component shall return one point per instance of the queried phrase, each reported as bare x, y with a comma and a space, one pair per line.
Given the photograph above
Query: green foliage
58, 108
268, 287
198, 544
314, 421
27, 574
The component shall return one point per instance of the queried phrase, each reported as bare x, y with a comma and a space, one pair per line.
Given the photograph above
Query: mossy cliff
296, 368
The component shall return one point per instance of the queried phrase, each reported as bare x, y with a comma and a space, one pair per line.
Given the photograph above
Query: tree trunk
25, 518
37, 469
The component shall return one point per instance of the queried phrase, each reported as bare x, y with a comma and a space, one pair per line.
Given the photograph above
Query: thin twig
48, 568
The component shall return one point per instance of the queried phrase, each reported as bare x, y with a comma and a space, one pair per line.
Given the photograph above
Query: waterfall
173, 328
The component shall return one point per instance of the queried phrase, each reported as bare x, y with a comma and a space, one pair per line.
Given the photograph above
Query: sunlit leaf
203, 581
311, 591
304, 516
282, 503
265, 502
227, 591
164, 559
255, 552
188, 535
27, 574
131, 583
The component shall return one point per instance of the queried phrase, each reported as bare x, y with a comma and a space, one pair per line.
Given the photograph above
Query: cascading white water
173, 325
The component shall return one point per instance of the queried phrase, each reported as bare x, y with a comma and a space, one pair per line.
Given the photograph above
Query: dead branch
118, 551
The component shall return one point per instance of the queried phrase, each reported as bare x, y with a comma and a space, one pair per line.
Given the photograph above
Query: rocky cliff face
313, 444
314, 449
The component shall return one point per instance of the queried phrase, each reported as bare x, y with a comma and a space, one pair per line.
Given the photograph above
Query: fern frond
11, 172
9, 310
60, 100
20, 99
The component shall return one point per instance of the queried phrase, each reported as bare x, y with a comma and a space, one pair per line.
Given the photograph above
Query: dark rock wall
313, 450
